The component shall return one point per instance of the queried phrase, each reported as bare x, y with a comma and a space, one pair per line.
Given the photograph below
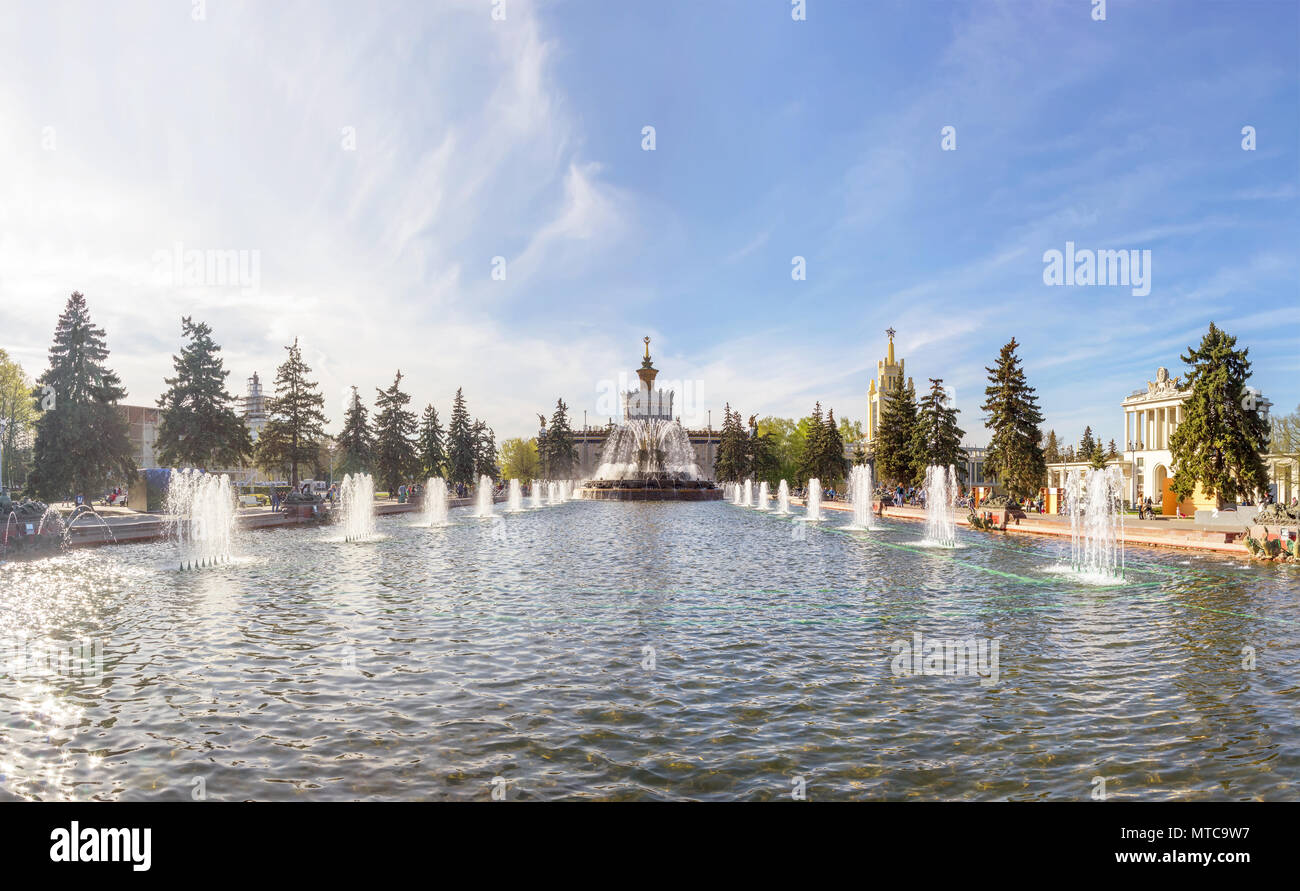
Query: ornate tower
888, 381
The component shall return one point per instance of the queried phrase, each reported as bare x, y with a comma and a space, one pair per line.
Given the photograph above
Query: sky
466, 191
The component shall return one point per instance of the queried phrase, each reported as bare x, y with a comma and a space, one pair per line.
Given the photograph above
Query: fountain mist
783, 498
860, 493
764, 497
435, 501
1095, 504
357, 506
484, 508
516, 500
202, 509
814, 499
940, 517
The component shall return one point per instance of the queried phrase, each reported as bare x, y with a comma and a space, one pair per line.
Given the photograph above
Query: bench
248, 501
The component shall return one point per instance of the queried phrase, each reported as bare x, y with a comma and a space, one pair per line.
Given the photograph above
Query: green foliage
199, 427
17, 422
461, 446
395, 430
939, 437
898, 437
296, 427
432, 447
357, 441
731, 463
81, 440
520, 460
1219, 441
485, 451
1014, 453
559, 457
1052, 451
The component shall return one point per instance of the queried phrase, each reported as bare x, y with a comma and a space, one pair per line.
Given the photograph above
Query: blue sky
128, 130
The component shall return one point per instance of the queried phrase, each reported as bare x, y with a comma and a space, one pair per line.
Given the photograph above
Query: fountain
814, 500
764, 498
1095, 506
552, 492
435, 502
515, 503
23, 532
649, 457
940, 518
860, 494
201, 507
748, 499
357, 506
484, 508
536, 494
783, 498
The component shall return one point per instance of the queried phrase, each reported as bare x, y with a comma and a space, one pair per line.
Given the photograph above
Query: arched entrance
1160, 482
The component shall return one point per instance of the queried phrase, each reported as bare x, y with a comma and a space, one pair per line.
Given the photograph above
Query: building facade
888, 381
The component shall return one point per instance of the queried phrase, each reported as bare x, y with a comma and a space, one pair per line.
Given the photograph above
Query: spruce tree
763, 461
561, 455
898, 437
730, 464
1111, 450
1219, 443
1052, 451
357, 441
433, 452
1087, 445
199, 427
485, 451
939, 436
814, 445
82, 442
461, 448
395, 429
1014, 455
296, 426
831, 469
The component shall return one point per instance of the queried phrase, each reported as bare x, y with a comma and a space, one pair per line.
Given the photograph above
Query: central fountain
649, 457
940, 495
1095, 505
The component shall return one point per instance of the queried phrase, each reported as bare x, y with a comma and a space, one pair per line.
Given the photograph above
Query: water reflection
604, 650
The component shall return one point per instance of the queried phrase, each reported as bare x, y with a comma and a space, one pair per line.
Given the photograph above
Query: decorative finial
891, 332
647, 347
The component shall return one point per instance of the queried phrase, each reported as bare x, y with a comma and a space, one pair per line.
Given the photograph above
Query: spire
891, 332
647, 371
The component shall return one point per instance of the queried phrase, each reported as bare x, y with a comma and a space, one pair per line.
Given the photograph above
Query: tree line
64, 433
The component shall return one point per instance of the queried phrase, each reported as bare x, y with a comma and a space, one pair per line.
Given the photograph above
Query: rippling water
605, 650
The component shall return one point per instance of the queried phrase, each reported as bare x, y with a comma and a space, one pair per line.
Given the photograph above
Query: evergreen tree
296, 427
485, 451
1087, 445
1111, 451
731, 462
1219, 443
814, 446
898, 437
433, 453
832, 464
1052, 451
561, 455
763, 461
1014, 453
1068, 455
939, 436
199, 428
81, 437
357, 441
461, 447
395, 430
